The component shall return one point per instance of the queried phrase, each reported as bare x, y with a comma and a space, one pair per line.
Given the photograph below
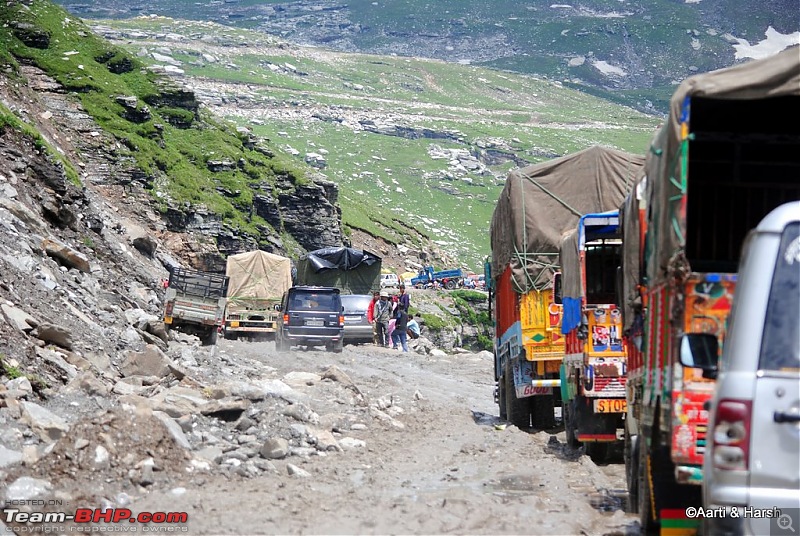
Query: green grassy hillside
308, 100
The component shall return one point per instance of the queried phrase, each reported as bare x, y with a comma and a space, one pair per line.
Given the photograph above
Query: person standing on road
404, 301
382, 313
399, 335
376, 297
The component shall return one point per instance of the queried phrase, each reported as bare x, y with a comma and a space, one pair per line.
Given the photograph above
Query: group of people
390, 320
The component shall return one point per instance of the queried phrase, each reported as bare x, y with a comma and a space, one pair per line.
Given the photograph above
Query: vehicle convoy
449, 278
257, 281
727, 155
353, 271
537, 206
753, 452
195, 303
593, 374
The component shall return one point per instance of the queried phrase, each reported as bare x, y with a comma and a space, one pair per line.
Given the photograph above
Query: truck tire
543, 413
648, 520
210, 339
517, 409
501, 398
450, 285
570, 425
229, 336
599, 451
632, 471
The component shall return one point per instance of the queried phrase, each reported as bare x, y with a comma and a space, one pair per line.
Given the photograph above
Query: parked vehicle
353, 271
538, 204
450, 279
356, 326
593, 374
195, 303
311, 316
257, 281
753, 448
726, 156
390, 281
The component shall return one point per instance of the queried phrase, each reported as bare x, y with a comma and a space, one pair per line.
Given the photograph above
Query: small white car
752, 457
390, 280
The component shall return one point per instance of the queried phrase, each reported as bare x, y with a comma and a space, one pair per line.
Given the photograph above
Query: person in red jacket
376, 296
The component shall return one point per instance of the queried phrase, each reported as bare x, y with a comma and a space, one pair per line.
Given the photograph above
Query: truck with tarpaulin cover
539, 203
728, 153
352, 271
593, 373
257, 281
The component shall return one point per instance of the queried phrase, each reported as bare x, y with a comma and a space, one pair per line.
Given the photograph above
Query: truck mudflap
526, 384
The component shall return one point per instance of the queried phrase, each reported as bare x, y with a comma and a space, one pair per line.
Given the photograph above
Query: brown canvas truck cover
542, 201
770, 79
258, 274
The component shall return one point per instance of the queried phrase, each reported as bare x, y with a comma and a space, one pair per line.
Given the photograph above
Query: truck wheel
543, 412
647, 518
569, 424
501, 398
450, 285
598, 451
210, 338
230, 336
632, 471
517, 409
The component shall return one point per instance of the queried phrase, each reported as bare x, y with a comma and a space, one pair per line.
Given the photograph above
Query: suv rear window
301, 300
780, 347
356, 303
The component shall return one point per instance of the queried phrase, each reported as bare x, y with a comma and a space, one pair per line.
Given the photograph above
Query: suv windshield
780, 348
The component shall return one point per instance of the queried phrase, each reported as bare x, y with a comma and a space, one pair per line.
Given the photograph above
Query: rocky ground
247, 440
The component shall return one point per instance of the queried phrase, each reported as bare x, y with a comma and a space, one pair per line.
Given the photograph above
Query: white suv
390, 280
752, 457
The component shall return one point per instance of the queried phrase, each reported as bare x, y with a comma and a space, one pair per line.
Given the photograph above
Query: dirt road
429, 456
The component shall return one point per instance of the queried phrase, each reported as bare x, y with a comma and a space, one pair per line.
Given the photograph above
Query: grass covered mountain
632, 51
422, 142
418, 148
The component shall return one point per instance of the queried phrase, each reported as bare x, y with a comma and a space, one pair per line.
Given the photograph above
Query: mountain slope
630, 50
421, 141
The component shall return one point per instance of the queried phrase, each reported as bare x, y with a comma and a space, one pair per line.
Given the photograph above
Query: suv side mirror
700, 350
277, 306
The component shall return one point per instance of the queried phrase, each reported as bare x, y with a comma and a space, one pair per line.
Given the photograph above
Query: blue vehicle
449, 278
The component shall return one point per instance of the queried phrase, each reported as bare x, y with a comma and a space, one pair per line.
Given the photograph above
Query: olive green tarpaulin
542, 201
353, 271
776, 76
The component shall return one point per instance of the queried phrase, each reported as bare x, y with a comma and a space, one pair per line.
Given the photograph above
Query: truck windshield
780, 347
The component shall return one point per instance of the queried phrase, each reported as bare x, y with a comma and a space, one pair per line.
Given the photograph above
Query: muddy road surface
415, 447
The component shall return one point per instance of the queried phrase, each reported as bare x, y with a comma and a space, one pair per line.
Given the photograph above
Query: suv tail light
731, 435
286, 319
341, 320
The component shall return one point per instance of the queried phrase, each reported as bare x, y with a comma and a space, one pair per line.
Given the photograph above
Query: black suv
311, 316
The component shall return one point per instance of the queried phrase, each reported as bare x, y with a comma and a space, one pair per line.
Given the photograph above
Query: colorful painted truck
538, 204
257, 282
593, 373
727, 154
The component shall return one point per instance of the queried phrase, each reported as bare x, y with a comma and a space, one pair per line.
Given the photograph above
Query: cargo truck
538, 204
593, 373
194, 303
728, 153
257, 282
